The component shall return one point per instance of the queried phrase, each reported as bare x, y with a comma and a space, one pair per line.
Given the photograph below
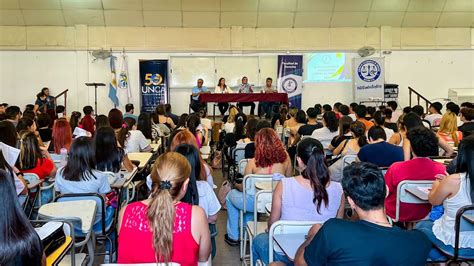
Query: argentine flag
113, 82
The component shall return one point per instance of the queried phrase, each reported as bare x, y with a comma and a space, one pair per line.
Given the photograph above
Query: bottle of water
275, 179
63, 153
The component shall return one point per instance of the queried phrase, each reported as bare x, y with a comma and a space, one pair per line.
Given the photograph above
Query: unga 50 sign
153, 84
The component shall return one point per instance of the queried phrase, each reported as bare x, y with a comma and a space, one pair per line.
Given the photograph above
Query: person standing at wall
245, 87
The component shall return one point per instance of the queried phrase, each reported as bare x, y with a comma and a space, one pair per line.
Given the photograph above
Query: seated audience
130, 139
344, 132
270, 158
371, 240
80, 176
129, 112
467, 117
87, 122
392, 106
343, 110
170, 231
109, 156
160, 117
136, 141
198, 131
26, 124
280, 118
388, 120
301, 121
434, 116
20, 183
453, 192
46, 133
379, 120
74, 121
13, 114
182, 121
361, 113
291, 121
328, 131
423, 144
9, 135
144, 125
33, 159
311, 125
420, 111
348, 147
380, 152
455, 109
170, 114
20, 243
102, 121
448, 129
62, 136
293, 195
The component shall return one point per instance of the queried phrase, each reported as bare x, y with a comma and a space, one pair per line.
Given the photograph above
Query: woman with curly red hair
270, 158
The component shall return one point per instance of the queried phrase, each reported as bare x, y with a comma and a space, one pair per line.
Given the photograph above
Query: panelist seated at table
266, 107
222, 88
198, 90
245, 87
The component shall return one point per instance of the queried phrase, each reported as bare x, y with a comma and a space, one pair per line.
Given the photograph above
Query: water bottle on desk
63, 155
275, 179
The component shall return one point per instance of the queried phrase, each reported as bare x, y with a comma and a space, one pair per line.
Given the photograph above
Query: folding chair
406, 197
107, 229
32, 178
242, 165
464, 223
248, 188
255, 227
287, 227
346, 161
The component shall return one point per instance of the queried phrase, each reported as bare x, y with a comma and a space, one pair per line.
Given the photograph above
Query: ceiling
246, 13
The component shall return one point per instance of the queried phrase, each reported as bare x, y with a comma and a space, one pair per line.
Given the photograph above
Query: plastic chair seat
261, 227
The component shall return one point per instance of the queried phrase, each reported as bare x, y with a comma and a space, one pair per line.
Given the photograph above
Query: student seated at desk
33, 159
370, 241
310, 196
127, 134
328, 131
161, 228
20, 183
20, 243
423, 144
79, 176
62, 136
108, 155
270, 158
454, 192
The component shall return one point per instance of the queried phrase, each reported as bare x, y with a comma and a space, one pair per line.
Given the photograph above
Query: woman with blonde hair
230, 124
448, 129
178, 231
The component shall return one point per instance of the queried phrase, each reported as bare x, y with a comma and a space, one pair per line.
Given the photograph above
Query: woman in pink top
448, 129
161, 228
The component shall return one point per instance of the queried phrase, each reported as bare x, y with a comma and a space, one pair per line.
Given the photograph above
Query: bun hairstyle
311, 152
358, 130
169, 173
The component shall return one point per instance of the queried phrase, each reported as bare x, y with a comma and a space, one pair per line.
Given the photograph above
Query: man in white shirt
245, 87
196, 106
435, 114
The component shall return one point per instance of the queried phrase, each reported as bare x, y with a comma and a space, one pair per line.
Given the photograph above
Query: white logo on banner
369, 78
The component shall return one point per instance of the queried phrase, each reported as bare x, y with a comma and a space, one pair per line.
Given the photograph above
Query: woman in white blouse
454, 192
222, 88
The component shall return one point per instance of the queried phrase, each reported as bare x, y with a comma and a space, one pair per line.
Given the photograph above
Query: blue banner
153, 84
290, 77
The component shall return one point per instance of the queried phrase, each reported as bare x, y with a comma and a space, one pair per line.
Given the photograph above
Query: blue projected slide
328, 67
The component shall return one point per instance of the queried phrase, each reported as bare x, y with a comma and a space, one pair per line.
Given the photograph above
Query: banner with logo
369, 79
154, 88
290, 77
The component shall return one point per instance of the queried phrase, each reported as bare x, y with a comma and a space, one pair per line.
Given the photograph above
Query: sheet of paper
47, 229
79, 132
10, 153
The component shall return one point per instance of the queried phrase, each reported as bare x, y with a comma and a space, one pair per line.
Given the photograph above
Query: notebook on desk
51, 234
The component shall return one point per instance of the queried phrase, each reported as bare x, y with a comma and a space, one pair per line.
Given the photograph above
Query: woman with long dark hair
108, 155
348, 147
344, 132
19, 242
169, 230
9, 135
292, 196
144, 124
75, 119
79, 176
33, 159
453, 192
199, 132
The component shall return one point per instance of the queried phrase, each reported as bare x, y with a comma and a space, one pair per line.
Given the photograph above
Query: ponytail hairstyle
358, 130
311, 153
192, 154
169, 174
74, 120
30, 151
25, 124
465, 161
116, 122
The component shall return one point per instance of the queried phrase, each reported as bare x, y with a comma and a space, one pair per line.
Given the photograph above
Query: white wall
24, 73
